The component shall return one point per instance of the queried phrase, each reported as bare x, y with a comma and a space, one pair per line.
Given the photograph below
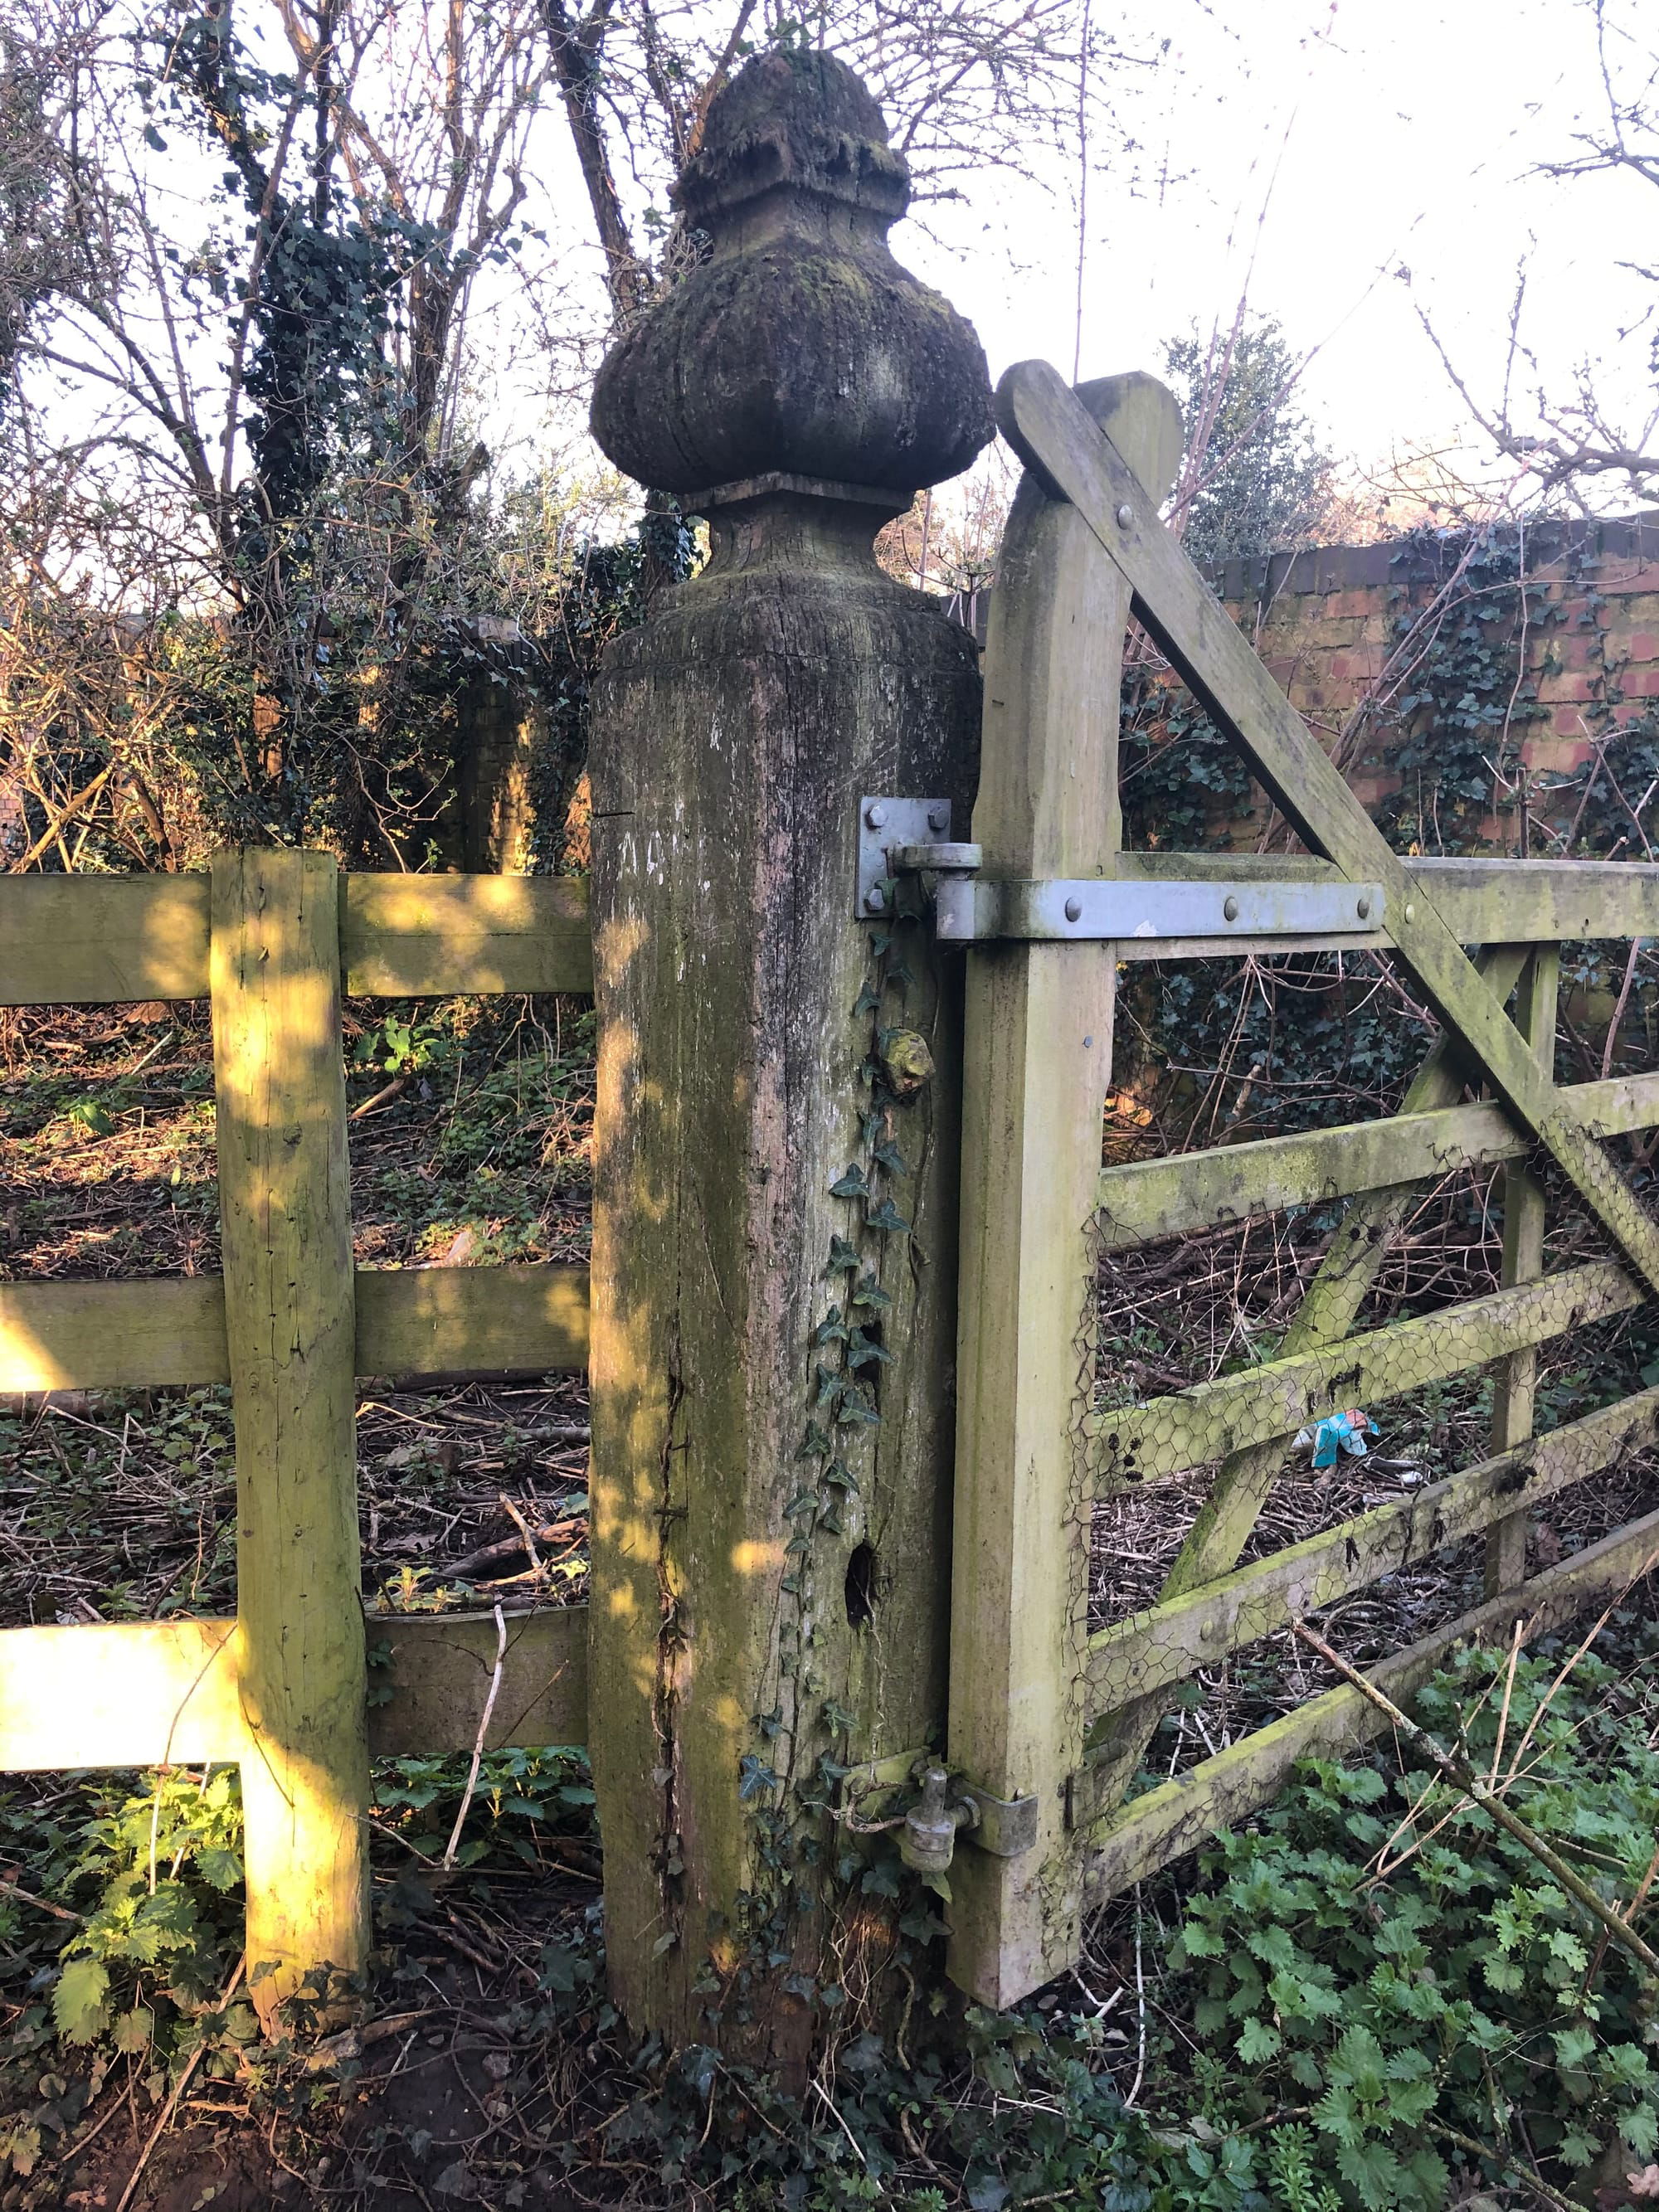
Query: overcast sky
1334, 144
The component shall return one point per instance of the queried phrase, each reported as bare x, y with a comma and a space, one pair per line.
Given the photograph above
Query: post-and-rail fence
1047, 1722
270, 939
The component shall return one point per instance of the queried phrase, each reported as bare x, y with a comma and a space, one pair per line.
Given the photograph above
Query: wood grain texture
530, 1320
1038, 1064
1050, 430
436, 936
1167, 1822
161, 1692
1513, 1383
92, 940
433, 1673
1166, 1436
735, 734
83, 940
113, 1335
285, 1206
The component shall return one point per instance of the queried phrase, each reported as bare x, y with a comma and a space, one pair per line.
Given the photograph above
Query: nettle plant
1380, 1965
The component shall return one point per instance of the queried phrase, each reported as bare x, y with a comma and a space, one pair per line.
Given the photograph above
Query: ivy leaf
888, 1156
814, 1444
831, 1388
862, 1353
868, 999
842, 1255
754, 1775
856, 1409
850, 1185
831, 1330
870, 1294
886, 1220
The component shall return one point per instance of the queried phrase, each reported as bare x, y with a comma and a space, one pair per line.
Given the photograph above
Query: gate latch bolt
927, 1841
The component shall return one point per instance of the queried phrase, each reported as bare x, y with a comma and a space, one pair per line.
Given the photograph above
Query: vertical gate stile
1523, 1259
284, 1198
1036, 1068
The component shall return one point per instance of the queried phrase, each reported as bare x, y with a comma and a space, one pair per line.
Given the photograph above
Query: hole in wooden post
861, 1586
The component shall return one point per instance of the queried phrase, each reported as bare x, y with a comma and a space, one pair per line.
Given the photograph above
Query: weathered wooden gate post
773, 1271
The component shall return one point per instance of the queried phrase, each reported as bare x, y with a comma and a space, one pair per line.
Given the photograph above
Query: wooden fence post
1524, 1210
285, 1206
776, 1172
1037, 1067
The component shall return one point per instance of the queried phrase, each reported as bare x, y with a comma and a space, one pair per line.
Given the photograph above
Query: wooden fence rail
299, 1690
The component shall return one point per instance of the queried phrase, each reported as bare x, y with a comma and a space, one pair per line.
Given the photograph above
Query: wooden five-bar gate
1045, 1722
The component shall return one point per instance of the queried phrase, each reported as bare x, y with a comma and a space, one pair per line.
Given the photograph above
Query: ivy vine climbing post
775, 1179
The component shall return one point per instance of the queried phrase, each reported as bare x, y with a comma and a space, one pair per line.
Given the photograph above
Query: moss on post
285, 1199
775, 1218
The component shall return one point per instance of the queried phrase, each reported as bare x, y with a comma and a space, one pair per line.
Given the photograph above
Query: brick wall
1328, 624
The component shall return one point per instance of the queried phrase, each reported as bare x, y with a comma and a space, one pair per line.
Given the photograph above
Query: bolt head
1088, 1044
1126, 515
938, 817
875, 814
874, 899
1411, 911
1230, 910
1073, 909
1365, 909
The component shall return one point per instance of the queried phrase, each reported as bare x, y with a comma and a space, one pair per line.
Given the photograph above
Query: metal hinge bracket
898, 836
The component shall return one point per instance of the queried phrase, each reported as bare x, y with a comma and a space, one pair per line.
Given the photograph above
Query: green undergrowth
1369, 1999
121, 1918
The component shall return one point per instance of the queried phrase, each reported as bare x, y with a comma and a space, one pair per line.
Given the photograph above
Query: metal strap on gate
911, 837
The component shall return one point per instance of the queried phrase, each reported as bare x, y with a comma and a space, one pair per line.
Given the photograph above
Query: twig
524, 1530
178, 2091
383, 1097
1140, 2003
45, 1905
819, 2088
1525, 2173
1464, 1778
479, 1744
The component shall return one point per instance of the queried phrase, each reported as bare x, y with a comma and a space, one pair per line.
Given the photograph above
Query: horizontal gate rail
169, 1692
1168, 1436
1179, 1815
1481, 901
128, 1335
1144, 1201
1165, 1644
103, 940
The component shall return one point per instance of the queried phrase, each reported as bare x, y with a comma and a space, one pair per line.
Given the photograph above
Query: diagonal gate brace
1056, 436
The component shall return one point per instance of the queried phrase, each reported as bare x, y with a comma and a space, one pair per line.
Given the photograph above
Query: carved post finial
797, 348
